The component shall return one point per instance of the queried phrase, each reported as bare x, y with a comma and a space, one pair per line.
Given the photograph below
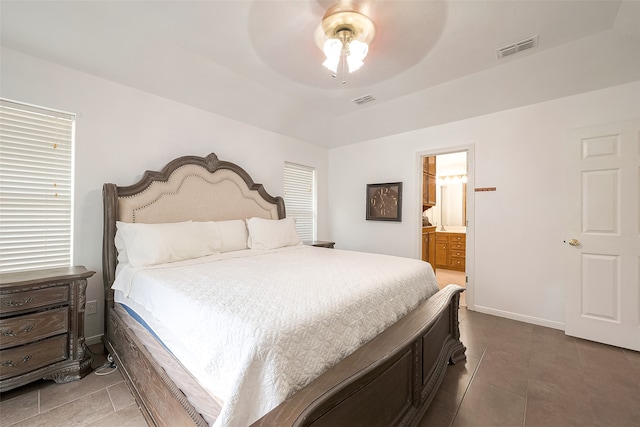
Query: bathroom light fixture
443, 179
348, 34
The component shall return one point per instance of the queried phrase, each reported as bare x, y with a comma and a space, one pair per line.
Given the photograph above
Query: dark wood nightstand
320, 243
42, 326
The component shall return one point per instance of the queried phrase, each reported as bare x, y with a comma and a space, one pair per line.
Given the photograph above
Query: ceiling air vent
517, 47
363, 99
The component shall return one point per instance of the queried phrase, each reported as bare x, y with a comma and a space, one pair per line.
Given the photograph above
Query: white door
603, 240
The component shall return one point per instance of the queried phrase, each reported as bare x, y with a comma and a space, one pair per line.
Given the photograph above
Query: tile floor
444, 277
519, 374
97, 401
516, 374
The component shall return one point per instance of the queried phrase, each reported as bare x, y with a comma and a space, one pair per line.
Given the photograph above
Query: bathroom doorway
446, 230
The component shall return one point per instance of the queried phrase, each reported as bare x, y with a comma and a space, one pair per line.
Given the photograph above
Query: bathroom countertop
452, 229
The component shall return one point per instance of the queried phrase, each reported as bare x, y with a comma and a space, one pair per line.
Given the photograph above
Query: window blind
36, 171
300, 198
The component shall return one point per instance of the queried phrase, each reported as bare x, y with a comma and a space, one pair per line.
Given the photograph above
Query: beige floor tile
445, 277
129, 416
441, 411
475, 342
593, 353
18, 408
551, 372
487, 405
120, 396
634, 359
508, 326
613, 405
561, 356
609, 365
505, 370
78, 412
477, 320
541, 334
54, 395
562, 403
462, 314
511, 342
458, 376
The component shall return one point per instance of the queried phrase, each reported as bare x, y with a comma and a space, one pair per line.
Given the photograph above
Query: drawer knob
10, 333
12, 303
10, 364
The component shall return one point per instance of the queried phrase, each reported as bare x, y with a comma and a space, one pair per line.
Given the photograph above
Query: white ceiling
257, 61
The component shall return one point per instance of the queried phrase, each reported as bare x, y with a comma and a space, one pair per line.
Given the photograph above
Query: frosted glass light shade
354, 63
357, 52
333, 50
358, 49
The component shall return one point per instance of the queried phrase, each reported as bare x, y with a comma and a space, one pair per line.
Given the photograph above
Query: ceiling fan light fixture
357, 52
333, 51
348, 33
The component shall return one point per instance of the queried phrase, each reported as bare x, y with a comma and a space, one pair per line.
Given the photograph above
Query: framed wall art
384, 202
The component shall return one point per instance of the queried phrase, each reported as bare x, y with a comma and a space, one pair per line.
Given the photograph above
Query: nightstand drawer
26, 358
19, 301
33, 327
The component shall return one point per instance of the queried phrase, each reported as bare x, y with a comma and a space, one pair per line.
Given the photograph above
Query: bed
381, 366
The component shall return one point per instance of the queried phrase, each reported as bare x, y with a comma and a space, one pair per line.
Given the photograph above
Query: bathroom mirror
453, 194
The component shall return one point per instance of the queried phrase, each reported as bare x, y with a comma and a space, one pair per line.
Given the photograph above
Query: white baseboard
521, 317
96, 339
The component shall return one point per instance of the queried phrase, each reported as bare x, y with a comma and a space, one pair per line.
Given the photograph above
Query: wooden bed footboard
389, 381
161, 402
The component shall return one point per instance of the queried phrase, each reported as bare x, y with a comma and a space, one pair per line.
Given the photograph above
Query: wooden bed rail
391, 380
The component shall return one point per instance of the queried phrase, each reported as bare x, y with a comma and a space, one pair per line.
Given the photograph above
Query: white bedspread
263, 324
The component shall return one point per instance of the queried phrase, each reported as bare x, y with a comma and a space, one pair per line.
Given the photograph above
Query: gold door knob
574, 242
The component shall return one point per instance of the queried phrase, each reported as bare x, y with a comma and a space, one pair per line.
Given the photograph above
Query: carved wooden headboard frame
188, 188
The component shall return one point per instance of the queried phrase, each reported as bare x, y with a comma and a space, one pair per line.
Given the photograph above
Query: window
300, 198
36, 187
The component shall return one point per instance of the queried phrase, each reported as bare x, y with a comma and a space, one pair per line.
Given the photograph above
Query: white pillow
150, 244
272, 233
233, 235
121, 249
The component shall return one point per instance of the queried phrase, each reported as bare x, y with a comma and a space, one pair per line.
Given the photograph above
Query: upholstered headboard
188, 188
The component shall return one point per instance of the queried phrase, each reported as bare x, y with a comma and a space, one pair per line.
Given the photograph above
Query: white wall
519, 229
120, 132
518, 269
